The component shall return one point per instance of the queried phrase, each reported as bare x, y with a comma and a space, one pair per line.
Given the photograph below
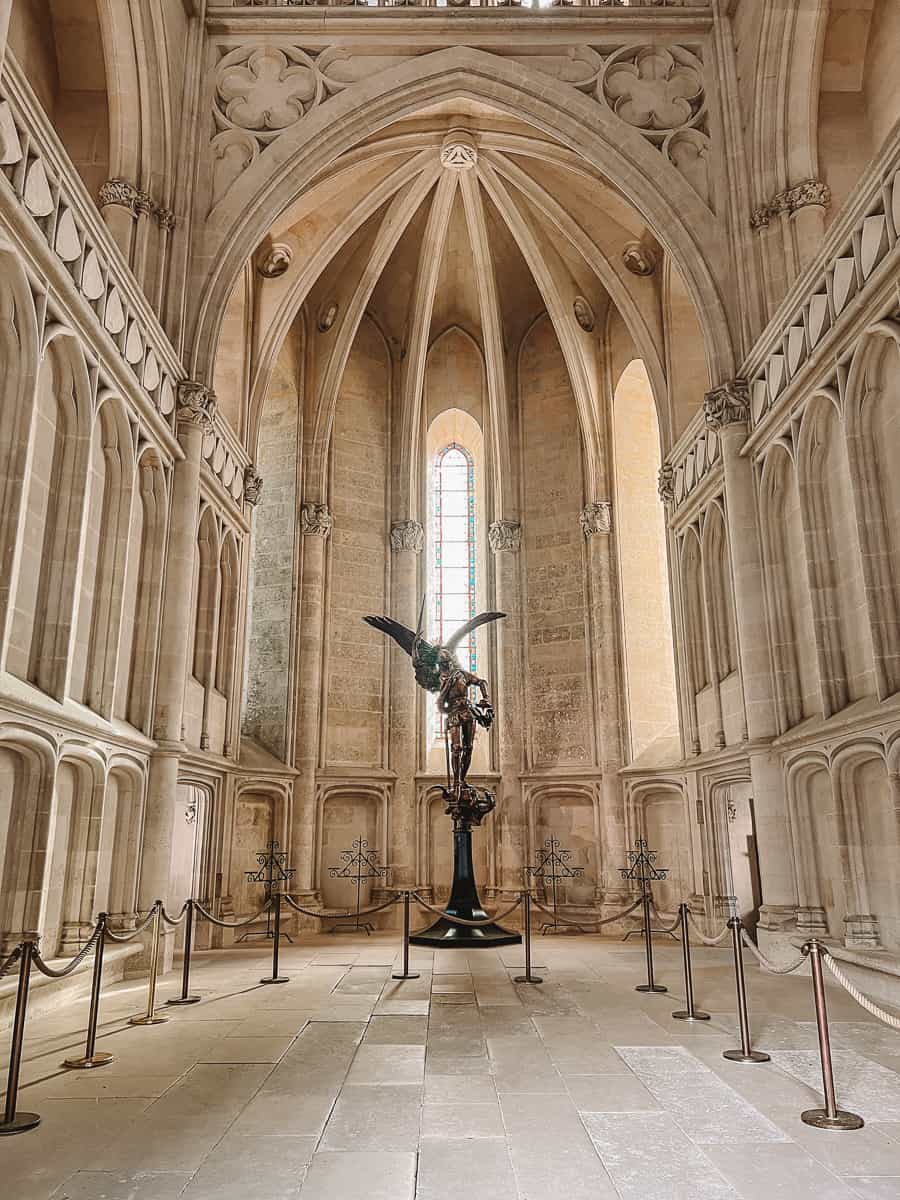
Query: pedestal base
464, 903
819, 1119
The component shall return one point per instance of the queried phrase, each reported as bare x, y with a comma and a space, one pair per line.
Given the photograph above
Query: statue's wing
464, 630
405, 638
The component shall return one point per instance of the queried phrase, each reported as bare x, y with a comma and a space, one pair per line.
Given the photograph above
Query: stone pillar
407, 543
506, 540
196, 408
118, 199
727, 412
596, 524
5, 10
315, 526
807, 204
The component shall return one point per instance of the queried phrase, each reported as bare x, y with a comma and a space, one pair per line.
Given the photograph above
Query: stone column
118, 201
315, 526
506, 539
5, 10
407, 543
727, 412
196, 409
596, 524
807, 203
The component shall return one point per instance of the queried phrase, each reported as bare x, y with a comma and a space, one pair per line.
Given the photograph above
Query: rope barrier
174, 920
231, 924
61, 973
128, 937
863, 1001
10, 961
767, 963
462, 920
338, 916
596, 922
669, 928
716, 941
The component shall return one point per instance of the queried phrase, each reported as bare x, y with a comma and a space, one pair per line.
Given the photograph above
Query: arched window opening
453, 598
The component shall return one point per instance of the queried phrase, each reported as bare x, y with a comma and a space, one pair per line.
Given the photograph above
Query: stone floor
343, 1083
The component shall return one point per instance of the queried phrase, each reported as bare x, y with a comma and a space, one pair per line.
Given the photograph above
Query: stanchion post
690, 1013
19, 1122
651, 985
746, 1053
527, 977
90, 1057
151, 1017
405, 973
276, 942
829, 1117
186, 997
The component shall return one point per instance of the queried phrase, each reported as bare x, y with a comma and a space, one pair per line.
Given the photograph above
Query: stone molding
728, 404
196, 405
315, 519
253, 484
122, 194
407, 535
505, 536
596, 518
275, 261
666, 483
802, 195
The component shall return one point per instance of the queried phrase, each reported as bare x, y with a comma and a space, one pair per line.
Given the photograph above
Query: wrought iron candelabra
360, 864
551, 867
642, 870
272, 869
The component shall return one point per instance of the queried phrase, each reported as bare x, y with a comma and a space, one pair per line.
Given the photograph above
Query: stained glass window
453, 546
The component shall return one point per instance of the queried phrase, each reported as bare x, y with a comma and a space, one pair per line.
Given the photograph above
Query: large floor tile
374, 1118
450, 1169
379, 1175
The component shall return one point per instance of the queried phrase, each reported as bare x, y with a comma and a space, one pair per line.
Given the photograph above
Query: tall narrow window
453, 538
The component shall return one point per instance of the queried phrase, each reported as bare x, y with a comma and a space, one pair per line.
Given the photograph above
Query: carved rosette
275, 261
315, 520
196, 405
666, 484
505, 537
596, 518
728, 404
407, 535
253, 484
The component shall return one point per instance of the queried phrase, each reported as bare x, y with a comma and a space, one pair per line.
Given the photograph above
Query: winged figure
437, 669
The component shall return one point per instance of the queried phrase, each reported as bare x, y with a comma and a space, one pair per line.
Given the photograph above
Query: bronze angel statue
438, 670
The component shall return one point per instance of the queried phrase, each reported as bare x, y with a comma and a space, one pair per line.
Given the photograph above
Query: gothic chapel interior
583, 312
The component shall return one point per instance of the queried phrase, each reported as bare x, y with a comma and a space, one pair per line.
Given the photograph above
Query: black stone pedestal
464, 903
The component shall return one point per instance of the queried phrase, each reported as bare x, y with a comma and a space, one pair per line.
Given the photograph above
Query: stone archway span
668, 204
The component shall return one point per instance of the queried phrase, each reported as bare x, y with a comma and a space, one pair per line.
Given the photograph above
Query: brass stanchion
18, 1122
91, 1058
651, 985
690, 1013
746, 1054
186, 997
829, 1117
150, 1017
405, 973
527, 977
276, 942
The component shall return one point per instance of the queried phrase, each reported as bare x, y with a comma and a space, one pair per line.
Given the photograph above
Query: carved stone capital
596, 518
315, 519
165, 218
142, 204
253, 484
505, 536
801, 195
196, 405
119, 192
666, 483
407, 535
728, 404
458, 150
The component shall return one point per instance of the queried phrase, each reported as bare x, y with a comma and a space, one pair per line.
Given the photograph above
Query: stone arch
27, 768
675, 212
228, 626
873, 442
870, 847
43, 621
19, 361
70, 895
696, 631
206, 592
832, 552
122, 840
143, 592
719, 593
260, 816
658, 812
787, 590
104, 551
569, 812
815, 835
345, 812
